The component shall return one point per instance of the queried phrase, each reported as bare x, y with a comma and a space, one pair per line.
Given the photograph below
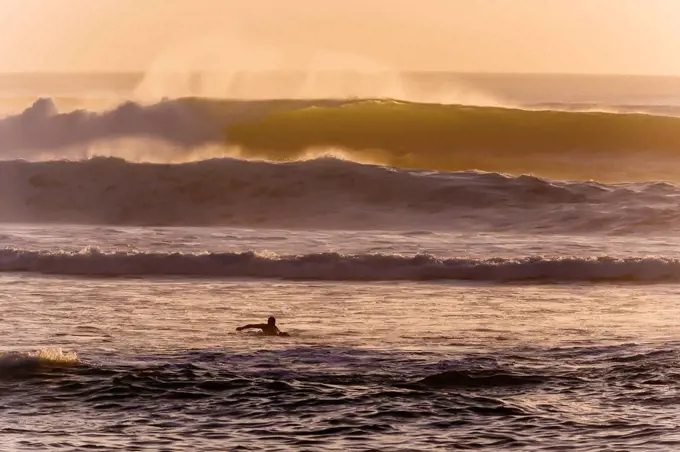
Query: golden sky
582, 36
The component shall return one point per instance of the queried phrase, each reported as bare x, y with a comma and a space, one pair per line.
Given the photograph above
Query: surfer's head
271, 321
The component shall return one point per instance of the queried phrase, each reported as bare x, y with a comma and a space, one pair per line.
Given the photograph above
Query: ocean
497, 273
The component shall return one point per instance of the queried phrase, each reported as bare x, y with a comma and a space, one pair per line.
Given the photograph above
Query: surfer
269, 328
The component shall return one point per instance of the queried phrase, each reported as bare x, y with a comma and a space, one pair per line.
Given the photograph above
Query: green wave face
453, 137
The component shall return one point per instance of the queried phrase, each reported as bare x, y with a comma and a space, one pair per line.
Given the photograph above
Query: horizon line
426, 71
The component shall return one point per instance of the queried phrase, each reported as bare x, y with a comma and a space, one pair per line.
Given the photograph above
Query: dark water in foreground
329, 398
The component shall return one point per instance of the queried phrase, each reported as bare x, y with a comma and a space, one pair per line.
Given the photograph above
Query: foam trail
340, 267
234, 66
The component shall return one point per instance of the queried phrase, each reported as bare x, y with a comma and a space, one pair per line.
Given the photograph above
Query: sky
553, 36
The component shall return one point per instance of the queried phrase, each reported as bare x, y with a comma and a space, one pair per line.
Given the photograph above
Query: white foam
18, 361
41, 130
342, 267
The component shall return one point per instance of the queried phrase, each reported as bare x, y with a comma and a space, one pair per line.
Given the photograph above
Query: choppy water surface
140, 362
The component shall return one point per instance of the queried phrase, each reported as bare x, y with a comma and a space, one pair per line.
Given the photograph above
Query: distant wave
557, 141
41, 127
185, 123
340, 267
444, 136
324, 193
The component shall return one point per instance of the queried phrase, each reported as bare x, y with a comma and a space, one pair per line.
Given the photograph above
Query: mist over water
243, 67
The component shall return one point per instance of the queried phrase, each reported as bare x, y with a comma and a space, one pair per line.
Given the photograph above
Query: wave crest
15, 362
323, 193
553, 143
341, 267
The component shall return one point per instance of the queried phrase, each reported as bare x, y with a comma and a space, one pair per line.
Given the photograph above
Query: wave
323, 193
185, 123
418, 135
552, 140
481, 379
14, 362
341, 267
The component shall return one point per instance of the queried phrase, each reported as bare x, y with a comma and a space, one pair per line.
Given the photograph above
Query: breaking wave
434, 135
323, 193
341, 267
15, 362
41, 130
554, 141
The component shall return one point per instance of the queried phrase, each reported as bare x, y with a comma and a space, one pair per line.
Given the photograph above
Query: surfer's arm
249, 326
